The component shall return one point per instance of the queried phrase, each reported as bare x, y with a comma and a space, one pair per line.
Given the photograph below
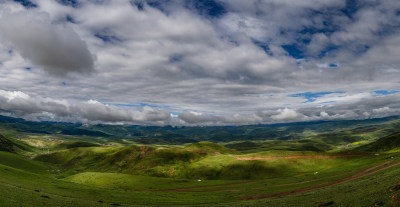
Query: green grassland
353, 163
209, 147
32, 183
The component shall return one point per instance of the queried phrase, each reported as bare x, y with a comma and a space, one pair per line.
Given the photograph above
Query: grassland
353, 168
31, 183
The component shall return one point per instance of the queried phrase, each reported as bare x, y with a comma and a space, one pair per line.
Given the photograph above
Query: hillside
386, 143
6, 144
143, 160
260, 173
353, 181
291, 145
209, 147
9, 145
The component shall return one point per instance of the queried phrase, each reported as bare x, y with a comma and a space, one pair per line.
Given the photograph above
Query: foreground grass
22, 188
92, 176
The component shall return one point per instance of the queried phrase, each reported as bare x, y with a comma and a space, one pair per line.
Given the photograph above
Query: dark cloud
55, 48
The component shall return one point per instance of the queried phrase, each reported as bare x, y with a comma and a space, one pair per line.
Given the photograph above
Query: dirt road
369, 171
295, 157
362, 172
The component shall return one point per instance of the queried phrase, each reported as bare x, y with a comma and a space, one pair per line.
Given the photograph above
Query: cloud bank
214, 62
19, 104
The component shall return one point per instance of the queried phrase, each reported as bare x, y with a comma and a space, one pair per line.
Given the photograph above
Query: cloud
382, 110
17, 103
286, 114
21, 104
195, 118
54, 47
239, 65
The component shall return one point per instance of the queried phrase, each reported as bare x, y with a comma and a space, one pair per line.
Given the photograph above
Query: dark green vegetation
292, 145
69, 145
387, 143
6, 144
142, 160
302, 164
9, 145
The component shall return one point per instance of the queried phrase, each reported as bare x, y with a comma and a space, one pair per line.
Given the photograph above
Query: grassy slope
210, 147
29, 183
22, 188
375, 190
21, 163
6, 144
292, 145
180, 163
26, 182
142, 160
11, 145
386, 143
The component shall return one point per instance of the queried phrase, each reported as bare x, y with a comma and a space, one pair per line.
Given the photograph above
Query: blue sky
191, 62
311, 97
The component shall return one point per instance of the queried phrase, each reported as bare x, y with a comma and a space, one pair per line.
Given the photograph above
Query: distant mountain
288, 131
22, 125
330, 132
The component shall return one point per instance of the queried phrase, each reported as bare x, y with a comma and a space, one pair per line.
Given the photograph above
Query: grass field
40, 187
75, 171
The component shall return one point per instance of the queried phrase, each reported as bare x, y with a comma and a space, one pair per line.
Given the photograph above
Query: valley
357, 166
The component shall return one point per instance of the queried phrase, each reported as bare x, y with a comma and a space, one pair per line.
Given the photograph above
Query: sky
199, 63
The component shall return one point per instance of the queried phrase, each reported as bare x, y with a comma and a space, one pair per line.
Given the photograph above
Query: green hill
9, 145
386, 143
287, 145
6, 144
19, 162
209, 147
142, 160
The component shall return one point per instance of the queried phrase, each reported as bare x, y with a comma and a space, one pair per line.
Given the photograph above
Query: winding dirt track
295, 157
364, 173
190, 189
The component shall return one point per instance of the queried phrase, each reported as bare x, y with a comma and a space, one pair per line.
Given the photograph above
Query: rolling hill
9, 145
383, 144
297, 172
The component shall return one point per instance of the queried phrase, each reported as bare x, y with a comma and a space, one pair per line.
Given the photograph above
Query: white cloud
21, 104
382, 110
288, 115
324, 115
